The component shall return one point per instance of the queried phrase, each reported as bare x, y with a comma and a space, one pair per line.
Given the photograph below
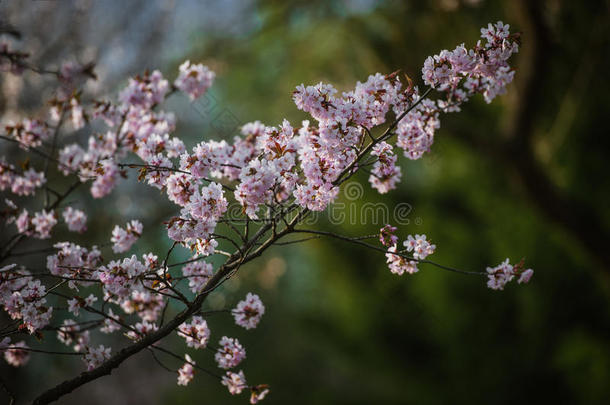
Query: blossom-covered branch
276, 175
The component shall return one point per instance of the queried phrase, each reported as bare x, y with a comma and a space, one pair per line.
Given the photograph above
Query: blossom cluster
20, 183
196, 333
198, 274
398, 262
248, 312
502, 274
123, 238
96, 356
187, 371
23, 298
75, 219
230, 353
194, 80
385, 173
459, 75
15, 354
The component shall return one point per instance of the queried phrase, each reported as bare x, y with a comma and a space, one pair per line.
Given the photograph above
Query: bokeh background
526, 176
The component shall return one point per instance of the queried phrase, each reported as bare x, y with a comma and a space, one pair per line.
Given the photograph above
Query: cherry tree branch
358, 241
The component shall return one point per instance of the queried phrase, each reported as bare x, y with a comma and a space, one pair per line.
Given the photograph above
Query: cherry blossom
502, 274
145, 91
75, 219
124, 238
24, 184
387, 236
145, 303
235, 382
141, 329
16, 356
230, 354
187, 371
258, 393
526, 276
95, 356
43, 222
248, 312
29, 133
385, 173
420, 247
398, 264
196, 333
198, 274
194, 80
110, 325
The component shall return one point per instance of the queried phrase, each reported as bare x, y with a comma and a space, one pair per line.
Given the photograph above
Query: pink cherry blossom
145, 91
75, 219
187, 371
16, 356
194, 80
196, 333
399, 264
258, 393
29, 133
500, 275
272, 173
94, 357
235, 382
230, 353
526, 276
248, 312
198, 274
43, 222
387, 236
420, 247
123, 238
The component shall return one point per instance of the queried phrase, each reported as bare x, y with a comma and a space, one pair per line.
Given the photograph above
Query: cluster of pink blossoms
20, 183
23, 298
75, 263
38, 226
194, 80
385, 173
130, 283
249, 311
29, 133
187, 372
75, 219
145, 91
198, 274
71, 333
96, 356
236, 383
418, 248
123, 239
230, 353
398, 262
196, 333
502, 274
459, 74
387, 235
15, 354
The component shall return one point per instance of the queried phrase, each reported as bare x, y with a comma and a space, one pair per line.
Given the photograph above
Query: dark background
526, 176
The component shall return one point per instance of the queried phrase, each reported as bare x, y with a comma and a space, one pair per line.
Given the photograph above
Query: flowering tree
277, 175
